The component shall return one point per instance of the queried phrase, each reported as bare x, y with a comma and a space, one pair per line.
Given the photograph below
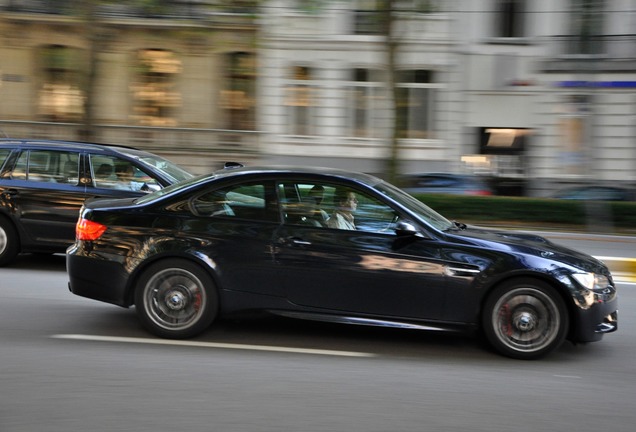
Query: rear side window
109, 172
48, 166
245, 201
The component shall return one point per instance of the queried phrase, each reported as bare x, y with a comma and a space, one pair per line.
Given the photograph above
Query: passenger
126, 179
342, 218
316, 196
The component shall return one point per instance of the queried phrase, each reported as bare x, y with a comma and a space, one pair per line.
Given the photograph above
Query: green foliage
534, 212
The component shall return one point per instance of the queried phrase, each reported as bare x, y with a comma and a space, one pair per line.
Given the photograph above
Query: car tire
525, 319
176, 299
9, 242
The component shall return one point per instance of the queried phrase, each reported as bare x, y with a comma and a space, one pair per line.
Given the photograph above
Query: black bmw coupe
330, 245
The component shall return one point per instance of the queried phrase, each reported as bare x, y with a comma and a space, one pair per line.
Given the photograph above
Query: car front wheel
525, 319
176, 299
8, 242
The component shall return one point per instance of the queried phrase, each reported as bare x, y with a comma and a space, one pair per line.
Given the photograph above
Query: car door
367, 271
235, 224
44, 193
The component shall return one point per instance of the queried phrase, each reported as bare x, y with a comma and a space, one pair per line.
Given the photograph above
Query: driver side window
334, 206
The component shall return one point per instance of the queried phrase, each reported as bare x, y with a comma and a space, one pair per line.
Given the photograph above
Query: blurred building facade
537, 93
324, 84
550, 89
173, 77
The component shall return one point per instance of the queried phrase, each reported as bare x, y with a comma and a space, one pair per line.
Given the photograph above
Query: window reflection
154, 90
300, 101
365, 102
416, 103
60, 98
238, 98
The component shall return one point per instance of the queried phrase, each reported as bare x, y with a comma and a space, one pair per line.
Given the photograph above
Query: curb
623, 269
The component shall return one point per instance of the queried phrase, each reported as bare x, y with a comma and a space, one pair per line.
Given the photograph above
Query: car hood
529, 244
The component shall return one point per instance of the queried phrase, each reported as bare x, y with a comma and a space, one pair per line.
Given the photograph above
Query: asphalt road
71, 364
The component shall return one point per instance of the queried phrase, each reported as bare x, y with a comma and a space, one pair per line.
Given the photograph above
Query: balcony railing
605, 46
613, 53
181, 9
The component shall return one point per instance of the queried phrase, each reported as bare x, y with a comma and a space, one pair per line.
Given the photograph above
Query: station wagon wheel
525, 319
8, 242
176, 299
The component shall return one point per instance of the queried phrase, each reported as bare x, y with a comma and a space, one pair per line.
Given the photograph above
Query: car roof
68, 145
440, 174
293, 170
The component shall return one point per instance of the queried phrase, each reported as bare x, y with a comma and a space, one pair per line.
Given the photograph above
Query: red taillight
88, 230
481, 192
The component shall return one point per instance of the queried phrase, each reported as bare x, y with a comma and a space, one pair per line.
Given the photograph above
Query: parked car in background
595, 193
445, 183
43, 184
255, 239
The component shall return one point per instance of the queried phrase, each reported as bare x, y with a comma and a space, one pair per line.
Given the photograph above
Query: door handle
296, 241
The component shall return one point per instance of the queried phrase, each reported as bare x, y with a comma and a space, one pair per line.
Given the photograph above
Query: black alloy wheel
176, 299
9, 240
525, 319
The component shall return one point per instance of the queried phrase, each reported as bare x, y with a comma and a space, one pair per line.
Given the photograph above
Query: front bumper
592, 323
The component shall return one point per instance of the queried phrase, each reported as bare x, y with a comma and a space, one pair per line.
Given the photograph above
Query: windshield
426, 214
171, 170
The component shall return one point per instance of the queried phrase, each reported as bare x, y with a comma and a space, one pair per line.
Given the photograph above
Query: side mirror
405, 228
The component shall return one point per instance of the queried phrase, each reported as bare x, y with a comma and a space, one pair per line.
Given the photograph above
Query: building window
416, 93
587, 26
366, 94
368, 17
510, 19
154, 89
300, 101
238, 97
61, 96
309, 6
418, 6
574, 125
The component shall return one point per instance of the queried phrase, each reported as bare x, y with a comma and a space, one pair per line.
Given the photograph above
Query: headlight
592, 281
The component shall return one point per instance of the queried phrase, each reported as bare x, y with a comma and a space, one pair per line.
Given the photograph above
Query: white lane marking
211, 345
567, 376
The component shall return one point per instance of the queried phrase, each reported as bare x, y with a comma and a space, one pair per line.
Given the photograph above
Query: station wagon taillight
88, 230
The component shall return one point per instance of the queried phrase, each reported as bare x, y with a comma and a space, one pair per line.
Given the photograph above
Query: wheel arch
10, 224
558, 288
204, 262
5, 216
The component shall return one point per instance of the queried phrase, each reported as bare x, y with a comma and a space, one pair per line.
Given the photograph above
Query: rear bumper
97, 278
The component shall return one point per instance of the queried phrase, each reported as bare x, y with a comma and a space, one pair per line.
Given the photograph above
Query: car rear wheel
8, 242
525, 319
176, 299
